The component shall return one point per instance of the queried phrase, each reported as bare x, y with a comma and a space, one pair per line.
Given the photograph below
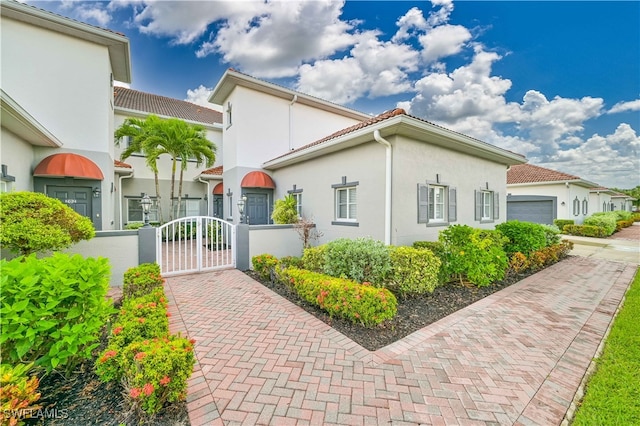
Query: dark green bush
605, 220
360, 259
264, 264
31, 222
524, 237
359, 303
313, 258
560, 223
294, 261
585, 231
413, 271
142, 279
53, 309
474, 254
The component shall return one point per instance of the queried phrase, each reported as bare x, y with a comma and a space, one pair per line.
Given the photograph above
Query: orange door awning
218, 189
68, 165
257, 180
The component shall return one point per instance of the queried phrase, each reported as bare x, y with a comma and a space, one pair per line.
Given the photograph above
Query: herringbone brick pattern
516, 357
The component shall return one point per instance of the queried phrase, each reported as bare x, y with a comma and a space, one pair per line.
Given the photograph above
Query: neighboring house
600, 199
393, 177
620, 201
134, 177
57, 108
537, 194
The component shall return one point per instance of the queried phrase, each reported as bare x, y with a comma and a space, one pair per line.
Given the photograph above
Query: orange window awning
68, 165
257, 180
218, 189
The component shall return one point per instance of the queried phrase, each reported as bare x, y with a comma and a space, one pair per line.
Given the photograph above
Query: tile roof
528, 173
162, 105
216, 171
121, 164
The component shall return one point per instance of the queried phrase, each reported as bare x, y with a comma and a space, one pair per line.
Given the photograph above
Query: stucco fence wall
278, 240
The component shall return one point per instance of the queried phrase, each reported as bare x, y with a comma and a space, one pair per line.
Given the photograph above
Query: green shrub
288, 261
360, 259
623, 224
413, 271
142, 279
53, 309
524, 237
540, 258
560, 223
603, 220
552, 234
313, 258
155, 371
18, 393
436, 248
285, 210
635, 217
358, 303
134, 225
474, 254
264, 264
31, 222
585, 231
623, 215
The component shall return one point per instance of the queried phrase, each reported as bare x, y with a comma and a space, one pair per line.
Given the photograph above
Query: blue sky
556, 81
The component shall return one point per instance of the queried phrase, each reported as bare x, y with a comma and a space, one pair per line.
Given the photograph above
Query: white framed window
436, 204
5, 186
346, 204
188, 207
487, 205
135, 212
585, 207
298, 197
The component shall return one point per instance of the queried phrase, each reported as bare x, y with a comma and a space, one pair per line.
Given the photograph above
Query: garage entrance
532, 208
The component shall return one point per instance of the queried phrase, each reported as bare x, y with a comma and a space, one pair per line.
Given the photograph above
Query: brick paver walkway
516, 357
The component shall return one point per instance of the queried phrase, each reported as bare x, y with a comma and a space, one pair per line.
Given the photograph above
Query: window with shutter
346, 203
437, 204
423, 203
487, 208
453, 208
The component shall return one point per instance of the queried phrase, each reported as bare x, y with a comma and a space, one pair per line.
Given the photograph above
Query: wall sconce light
241, 205
96, 192
562, 203
146, 206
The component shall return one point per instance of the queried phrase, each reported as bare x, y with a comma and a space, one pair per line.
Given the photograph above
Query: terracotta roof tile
217, 171
121, 164
162, 105
528, 173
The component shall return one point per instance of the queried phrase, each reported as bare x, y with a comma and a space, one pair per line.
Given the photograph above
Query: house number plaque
70, 201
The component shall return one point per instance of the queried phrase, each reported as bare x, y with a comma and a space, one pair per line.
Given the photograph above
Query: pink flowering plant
141, 280
156, 371
264, 264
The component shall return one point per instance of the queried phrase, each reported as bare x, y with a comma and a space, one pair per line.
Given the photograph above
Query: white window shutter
496, 205
453, 211
423, 204
478, 197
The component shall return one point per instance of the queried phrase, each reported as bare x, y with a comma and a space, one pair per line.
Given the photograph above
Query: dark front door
257, 209
78, 198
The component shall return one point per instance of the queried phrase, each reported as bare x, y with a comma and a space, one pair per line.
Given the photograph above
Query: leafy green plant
294, 261
285, 210
313, 258
31, 222
552, 234
53, 309
539, 259
18, 393
603, 220
524, 237
437, 248
156, 371
560, 223
585, 231
413, 271
360, 259
264, 264
142, 279
359, 303
474, 254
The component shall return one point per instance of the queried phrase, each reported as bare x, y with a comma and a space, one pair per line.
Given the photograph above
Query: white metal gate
195, 244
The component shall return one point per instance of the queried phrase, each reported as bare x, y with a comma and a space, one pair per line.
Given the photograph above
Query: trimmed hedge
142, 279
623, 224
524, 237
263, 264
540, 258
604, 220
342, 297
313, 258
560, 223
360, 259
413, 271
585, 231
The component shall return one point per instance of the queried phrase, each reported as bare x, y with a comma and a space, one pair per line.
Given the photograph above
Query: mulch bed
413, 313
82, 399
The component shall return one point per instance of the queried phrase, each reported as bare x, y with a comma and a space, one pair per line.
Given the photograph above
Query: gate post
242, 247
147, 245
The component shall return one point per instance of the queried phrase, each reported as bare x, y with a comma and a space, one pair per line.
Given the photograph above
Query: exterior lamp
241, 204
146, 206
96, 192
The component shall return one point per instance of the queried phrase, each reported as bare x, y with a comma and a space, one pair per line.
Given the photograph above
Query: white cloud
625, 106
200, 96
87, 13
443, 41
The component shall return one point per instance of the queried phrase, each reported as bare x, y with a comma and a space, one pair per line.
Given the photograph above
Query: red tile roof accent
528, 173
121, 164
68, 165
162, 105
257, 180
218, 189
213, 171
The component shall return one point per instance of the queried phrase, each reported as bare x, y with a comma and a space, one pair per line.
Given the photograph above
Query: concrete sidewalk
623, 246
515, 357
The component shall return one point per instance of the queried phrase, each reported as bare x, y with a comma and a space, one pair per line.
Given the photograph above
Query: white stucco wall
18, 156
566, 193
596, 200
278, 240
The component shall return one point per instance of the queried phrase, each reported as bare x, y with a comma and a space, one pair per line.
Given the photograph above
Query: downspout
293, 101
387, 186
121, 196
208, 195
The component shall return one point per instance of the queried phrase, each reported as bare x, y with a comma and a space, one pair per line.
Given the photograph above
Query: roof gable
161, 105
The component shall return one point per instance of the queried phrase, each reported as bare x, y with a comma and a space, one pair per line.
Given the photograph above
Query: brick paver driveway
516, 357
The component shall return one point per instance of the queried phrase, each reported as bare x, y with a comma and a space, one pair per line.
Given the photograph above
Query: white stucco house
393, 177
57, 108
537, 194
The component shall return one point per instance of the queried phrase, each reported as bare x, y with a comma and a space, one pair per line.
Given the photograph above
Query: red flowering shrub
347, 299
141, 280
264, 264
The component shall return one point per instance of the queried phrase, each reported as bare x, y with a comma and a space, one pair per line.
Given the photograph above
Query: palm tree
144, 138
196, 148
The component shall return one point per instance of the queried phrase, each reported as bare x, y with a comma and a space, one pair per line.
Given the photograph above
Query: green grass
612, 395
